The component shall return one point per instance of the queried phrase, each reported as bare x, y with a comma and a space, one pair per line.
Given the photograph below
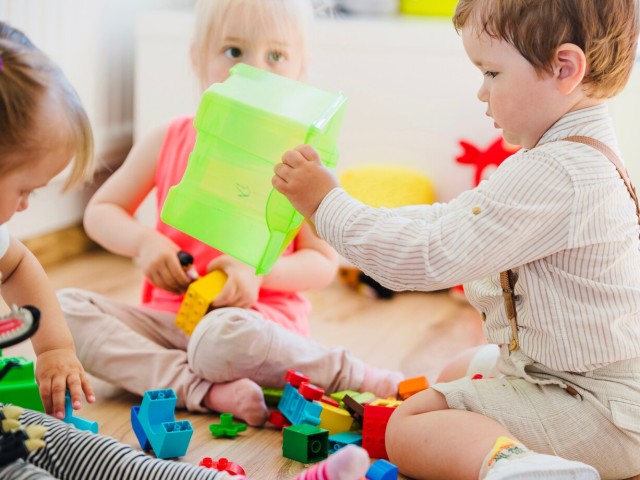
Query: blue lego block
342, 439
298, 409
382, 470
138, 430
79, 423
167, 437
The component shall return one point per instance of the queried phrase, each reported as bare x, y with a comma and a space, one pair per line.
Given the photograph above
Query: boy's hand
159, 261
242, 286
56, 372
303, 179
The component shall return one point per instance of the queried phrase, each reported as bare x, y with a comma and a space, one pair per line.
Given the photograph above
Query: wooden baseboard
60, 245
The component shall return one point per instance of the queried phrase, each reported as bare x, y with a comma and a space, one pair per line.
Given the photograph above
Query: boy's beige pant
600, 425
140, 349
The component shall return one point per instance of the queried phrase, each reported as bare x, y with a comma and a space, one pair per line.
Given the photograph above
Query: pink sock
348, 463
242, 398
382, 383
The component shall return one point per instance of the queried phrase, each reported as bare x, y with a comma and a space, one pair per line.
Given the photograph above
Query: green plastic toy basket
435, 8
245, 124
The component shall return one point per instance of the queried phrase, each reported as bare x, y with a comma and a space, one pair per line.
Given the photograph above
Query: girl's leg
75, 454
232, 343
114, 339
21, 470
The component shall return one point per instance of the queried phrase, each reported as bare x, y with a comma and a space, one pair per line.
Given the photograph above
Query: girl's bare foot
382, 383
242, 398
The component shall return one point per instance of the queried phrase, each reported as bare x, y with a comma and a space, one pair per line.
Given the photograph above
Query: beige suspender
507, 279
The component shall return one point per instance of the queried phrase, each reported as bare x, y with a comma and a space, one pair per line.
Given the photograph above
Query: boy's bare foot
242, 398
382, 383
348, 463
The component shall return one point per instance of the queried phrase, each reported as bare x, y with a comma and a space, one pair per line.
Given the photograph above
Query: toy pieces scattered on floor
362, 283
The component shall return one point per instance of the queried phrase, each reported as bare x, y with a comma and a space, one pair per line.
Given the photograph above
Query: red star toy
497, 152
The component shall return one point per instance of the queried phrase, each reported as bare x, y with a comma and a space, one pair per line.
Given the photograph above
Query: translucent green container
245, 125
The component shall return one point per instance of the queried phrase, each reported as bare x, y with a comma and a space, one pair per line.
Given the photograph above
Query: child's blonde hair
287, 16
606, 30
27, 76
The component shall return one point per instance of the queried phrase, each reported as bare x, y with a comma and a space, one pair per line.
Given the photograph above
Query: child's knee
223, 336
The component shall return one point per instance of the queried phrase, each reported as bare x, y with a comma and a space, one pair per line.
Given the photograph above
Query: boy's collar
571, 122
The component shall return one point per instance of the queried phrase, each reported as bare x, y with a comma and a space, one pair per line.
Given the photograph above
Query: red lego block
295, 378
373, 430
222, 465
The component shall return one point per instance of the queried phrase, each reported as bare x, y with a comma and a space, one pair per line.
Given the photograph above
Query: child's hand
159, 261
56, 372
303, 179
242, 286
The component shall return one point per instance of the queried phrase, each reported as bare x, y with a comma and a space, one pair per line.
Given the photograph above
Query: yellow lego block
197, 300
335, 419
385, 402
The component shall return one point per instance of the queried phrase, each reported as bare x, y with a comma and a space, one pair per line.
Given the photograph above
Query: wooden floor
413, 332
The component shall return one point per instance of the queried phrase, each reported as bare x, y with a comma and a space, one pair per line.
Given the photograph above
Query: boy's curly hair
606, 30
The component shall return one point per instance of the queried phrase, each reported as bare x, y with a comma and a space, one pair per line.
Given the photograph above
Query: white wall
411, 89
92, 41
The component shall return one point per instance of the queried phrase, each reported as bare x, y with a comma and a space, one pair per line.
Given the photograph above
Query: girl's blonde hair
27, 77
291, 17
605, 30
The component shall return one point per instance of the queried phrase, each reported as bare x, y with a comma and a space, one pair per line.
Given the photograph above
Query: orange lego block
197, 300
411, 386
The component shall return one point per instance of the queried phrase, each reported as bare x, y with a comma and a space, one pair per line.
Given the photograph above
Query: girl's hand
242, 286
158, 258
303, 179
56, 372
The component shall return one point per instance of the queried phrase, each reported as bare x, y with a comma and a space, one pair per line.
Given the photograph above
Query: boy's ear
569, 67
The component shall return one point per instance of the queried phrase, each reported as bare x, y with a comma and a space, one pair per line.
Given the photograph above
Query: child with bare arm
548, 248
258, 327
43, 129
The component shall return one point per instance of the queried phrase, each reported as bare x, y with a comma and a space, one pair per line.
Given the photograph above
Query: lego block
373, 430
222, 465
297, 409
272, 396
168, 438
197, 300
354, 408
79, 423
411, 386
138, 429
334, 419
226, 427
386, 402
305, 443
342, 439
310, 391
18, 383
382, 470
295, 378
277, 419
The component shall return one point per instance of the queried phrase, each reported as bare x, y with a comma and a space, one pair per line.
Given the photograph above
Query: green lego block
305, 443
272, 396
18, 383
